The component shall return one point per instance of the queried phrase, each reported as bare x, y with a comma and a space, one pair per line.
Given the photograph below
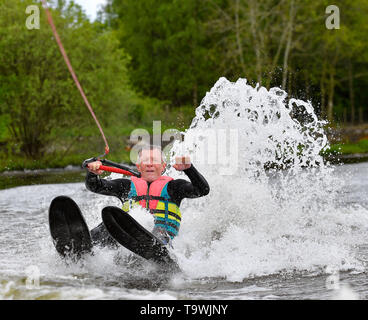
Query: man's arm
197, 187
118, 187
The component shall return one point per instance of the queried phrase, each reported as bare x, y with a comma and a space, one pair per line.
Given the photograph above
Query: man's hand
182, 163
94, 166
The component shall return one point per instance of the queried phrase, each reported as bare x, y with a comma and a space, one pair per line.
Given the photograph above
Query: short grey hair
150, 147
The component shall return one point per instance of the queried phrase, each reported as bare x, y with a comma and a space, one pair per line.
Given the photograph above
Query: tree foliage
179, 48
37, 93
170, 49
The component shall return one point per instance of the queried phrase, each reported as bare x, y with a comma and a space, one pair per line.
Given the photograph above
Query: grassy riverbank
347, 152
69, 146
350, 146
56, 160
360, 147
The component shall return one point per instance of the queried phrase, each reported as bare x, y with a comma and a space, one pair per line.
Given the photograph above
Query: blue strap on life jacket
165, 195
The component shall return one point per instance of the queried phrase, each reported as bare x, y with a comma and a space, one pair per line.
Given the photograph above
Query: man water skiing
161, 195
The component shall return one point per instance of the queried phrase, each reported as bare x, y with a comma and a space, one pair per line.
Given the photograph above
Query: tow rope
115, 167
69, 65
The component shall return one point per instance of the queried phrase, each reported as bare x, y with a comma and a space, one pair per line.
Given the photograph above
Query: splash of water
276, 209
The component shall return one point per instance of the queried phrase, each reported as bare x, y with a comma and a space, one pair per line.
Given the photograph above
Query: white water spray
277, 210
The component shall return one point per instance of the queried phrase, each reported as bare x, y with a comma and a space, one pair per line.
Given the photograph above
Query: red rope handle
113, 169
116, 170
69, 65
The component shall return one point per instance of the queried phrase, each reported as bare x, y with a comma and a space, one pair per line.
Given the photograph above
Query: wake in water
258, 219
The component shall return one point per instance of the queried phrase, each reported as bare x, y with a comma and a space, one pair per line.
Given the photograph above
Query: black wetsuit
177, 189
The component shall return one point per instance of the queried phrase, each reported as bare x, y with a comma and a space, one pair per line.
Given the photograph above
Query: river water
27, 253
278, 223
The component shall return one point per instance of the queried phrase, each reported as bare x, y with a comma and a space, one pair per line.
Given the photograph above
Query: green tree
179, 48
37, 93
170, 49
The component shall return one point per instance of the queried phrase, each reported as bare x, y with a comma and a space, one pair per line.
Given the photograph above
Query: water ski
130, 234
68, 228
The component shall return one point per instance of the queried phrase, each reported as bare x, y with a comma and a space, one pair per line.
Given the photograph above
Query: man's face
150, 165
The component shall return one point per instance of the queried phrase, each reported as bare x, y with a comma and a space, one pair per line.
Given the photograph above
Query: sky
90, 6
